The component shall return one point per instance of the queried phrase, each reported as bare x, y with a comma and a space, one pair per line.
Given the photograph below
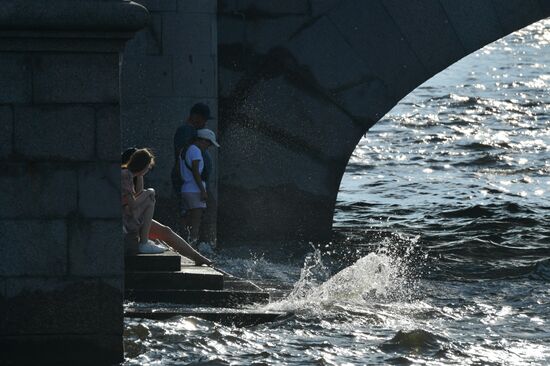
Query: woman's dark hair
141, 159
126, 155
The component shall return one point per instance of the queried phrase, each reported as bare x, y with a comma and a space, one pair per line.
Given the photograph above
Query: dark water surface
442, 247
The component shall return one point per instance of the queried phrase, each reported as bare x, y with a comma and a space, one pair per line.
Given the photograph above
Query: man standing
184, 136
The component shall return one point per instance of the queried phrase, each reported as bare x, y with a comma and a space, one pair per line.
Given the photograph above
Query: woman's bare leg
166, 234
145, 208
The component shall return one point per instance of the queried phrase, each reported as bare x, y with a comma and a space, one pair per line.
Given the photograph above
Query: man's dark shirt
184, 136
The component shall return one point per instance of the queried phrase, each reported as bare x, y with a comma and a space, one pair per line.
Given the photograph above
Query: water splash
256, 267
378, 276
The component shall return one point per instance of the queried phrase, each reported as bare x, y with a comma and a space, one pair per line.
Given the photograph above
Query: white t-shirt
189, 184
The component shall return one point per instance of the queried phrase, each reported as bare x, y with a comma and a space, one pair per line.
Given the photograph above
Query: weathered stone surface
222, 298
96, 248
163, 168
319, 7
339, 66
99, 190
375, 91
6, 131
55, 132
76, 78
282, 202
197, 6
516, 14
111, 303
472, 32
265, 35
266, 189
265, 9
46, 306
131, 116
72, 15
37, 247
167, 261
108, 133
344, 77
55, 306
148, 76
161, 121
180, 34
77, 42
545, 6
373, 34
68, 349
147, 41
307, 126
159, 5
232, 317
2, 304
37, 190
234, 32
435, 42
190, 278
15, 78
262, 161
195, 76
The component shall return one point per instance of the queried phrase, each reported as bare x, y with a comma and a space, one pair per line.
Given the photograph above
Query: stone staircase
164, 285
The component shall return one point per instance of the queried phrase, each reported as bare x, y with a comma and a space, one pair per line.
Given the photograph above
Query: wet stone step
235, 284
167, 261
231, 317
188, 278
220, 298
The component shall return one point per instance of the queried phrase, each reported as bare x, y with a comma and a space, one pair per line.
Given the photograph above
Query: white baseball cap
205, 133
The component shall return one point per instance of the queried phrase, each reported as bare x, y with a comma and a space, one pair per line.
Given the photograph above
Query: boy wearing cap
193, 189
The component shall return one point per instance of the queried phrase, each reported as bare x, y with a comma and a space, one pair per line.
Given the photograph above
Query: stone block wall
61, 255
168, 67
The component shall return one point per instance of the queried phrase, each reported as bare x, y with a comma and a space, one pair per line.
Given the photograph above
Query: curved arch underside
301, 81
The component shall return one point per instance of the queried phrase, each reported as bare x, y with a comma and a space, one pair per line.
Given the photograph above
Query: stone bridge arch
300, 81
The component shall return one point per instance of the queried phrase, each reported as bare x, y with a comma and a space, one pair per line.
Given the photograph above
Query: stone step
231, 317
167, 261
218, 298
237, 284
188, 278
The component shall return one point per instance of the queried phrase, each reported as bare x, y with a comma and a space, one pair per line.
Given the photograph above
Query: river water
441, 252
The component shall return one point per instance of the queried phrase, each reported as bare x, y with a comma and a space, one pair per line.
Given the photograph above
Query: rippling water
442, 245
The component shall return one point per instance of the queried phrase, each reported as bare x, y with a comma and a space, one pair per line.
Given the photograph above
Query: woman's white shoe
150, 248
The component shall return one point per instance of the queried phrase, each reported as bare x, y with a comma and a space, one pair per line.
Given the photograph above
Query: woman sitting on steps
138, 206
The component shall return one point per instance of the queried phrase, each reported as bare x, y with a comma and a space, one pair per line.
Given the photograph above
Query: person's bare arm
130, 203
127, 187
133, 197
198, 179
139, 185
